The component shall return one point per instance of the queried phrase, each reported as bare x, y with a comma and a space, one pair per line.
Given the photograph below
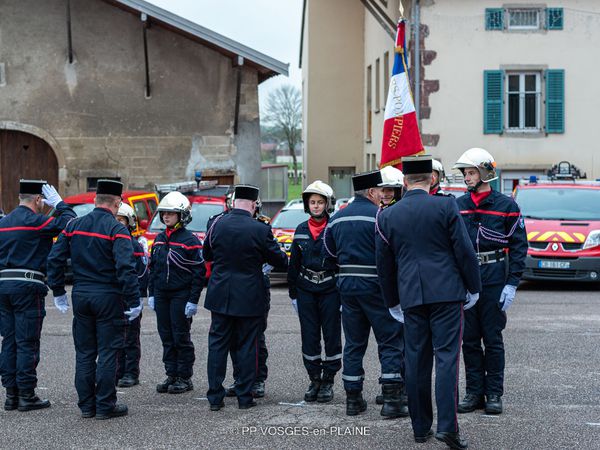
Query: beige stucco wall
333, 74
465, 49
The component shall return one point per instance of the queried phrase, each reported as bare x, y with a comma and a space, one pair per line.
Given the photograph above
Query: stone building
123, 89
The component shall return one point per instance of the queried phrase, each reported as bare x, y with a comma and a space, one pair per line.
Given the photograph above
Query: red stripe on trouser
460, 335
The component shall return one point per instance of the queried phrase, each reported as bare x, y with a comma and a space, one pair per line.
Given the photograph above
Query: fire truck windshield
555, 203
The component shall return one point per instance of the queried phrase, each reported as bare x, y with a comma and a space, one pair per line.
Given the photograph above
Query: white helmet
318, 187
391, 177
481, 160
178, 203
127, 211
439, 168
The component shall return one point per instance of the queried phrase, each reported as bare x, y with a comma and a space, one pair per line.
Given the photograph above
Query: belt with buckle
316, 277
32, 276
491, 257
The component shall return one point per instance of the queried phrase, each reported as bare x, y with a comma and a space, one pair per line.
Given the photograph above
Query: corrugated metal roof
266, 65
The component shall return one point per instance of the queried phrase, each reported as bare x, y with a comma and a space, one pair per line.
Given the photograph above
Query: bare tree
284, 112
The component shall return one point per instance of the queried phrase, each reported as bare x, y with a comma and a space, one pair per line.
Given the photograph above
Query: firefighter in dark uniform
258, 390
25, 241
438, 175
312, 288
497, 232
392, 189
128, 371
426, 266
350, 239
106, 293
238, 246
177, 275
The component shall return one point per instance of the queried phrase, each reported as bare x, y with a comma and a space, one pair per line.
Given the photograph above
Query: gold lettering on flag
396, 131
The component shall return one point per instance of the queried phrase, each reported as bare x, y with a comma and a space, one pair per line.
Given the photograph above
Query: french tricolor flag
401, 135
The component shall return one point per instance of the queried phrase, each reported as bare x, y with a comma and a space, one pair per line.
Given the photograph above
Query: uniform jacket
238, 246
350, 239
101, 255
176, 264
141, 266
501, 214
424, 254
25, 242
309, 253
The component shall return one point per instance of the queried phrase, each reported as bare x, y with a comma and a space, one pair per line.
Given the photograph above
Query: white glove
62, 303
51, 196
295, 305
142, 302
396, 313
190, 309
151, 303
507, 296
471, 300
266, 269
135, 312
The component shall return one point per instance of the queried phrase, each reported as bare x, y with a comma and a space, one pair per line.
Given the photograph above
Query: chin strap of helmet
474, 188
319, 216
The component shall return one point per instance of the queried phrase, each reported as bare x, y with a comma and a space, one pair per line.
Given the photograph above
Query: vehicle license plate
554, 264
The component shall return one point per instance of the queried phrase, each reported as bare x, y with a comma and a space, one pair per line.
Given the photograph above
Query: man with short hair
427, 267
105, 293
238, 246
350, 239
25, 241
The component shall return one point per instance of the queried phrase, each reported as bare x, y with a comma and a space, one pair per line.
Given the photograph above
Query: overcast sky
270, 26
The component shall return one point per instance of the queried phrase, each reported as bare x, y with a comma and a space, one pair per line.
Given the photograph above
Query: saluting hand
52, 198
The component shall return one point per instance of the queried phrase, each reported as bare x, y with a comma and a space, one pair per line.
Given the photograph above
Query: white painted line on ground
42, 388
302, 403
593, 424
200, 398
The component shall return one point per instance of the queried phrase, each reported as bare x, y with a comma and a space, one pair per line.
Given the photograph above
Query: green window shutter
494, 19
555, 101
493, 95
554, 18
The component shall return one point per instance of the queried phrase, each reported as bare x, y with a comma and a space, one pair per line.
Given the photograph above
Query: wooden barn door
26, 156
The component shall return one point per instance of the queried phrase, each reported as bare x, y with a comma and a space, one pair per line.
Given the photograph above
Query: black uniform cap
109, 187
31, 186
417, 164
366, 180
246, 192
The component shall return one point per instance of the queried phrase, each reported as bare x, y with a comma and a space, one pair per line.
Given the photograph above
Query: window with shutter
493, 82
555, 101
494, 19
554, 18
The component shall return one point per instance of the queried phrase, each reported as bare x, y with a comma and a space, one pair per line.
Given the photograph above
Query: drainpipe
417, 38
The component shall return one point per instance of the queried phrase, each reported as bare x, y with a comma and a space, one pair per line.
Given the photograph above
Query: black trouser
484, 368
99, 332
433, 331
359, 315
174, 330
320, 313
263, 354
240, 336
21, 318
129, 358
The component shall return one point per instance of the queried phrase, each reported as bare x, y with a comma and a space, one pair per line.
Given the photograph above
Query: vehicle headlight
593, 239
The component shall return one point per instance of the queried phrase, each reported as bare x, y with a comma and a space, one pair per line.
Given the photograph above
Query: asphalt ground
551, 392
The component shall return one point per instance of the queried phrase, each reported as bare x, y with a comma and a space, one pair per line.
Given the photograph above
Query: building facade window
386, 76
523, 101
524, 19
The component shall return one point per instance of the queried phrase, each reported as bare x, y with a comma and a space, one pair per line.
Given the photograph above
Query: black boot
181, 385
12, 399
230, 391
493, 405
128, 381
118, 411
28, 401
164, 386
452, 440
470, 403
392, 401
258, 389
355, 404
313, 389
326, 389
